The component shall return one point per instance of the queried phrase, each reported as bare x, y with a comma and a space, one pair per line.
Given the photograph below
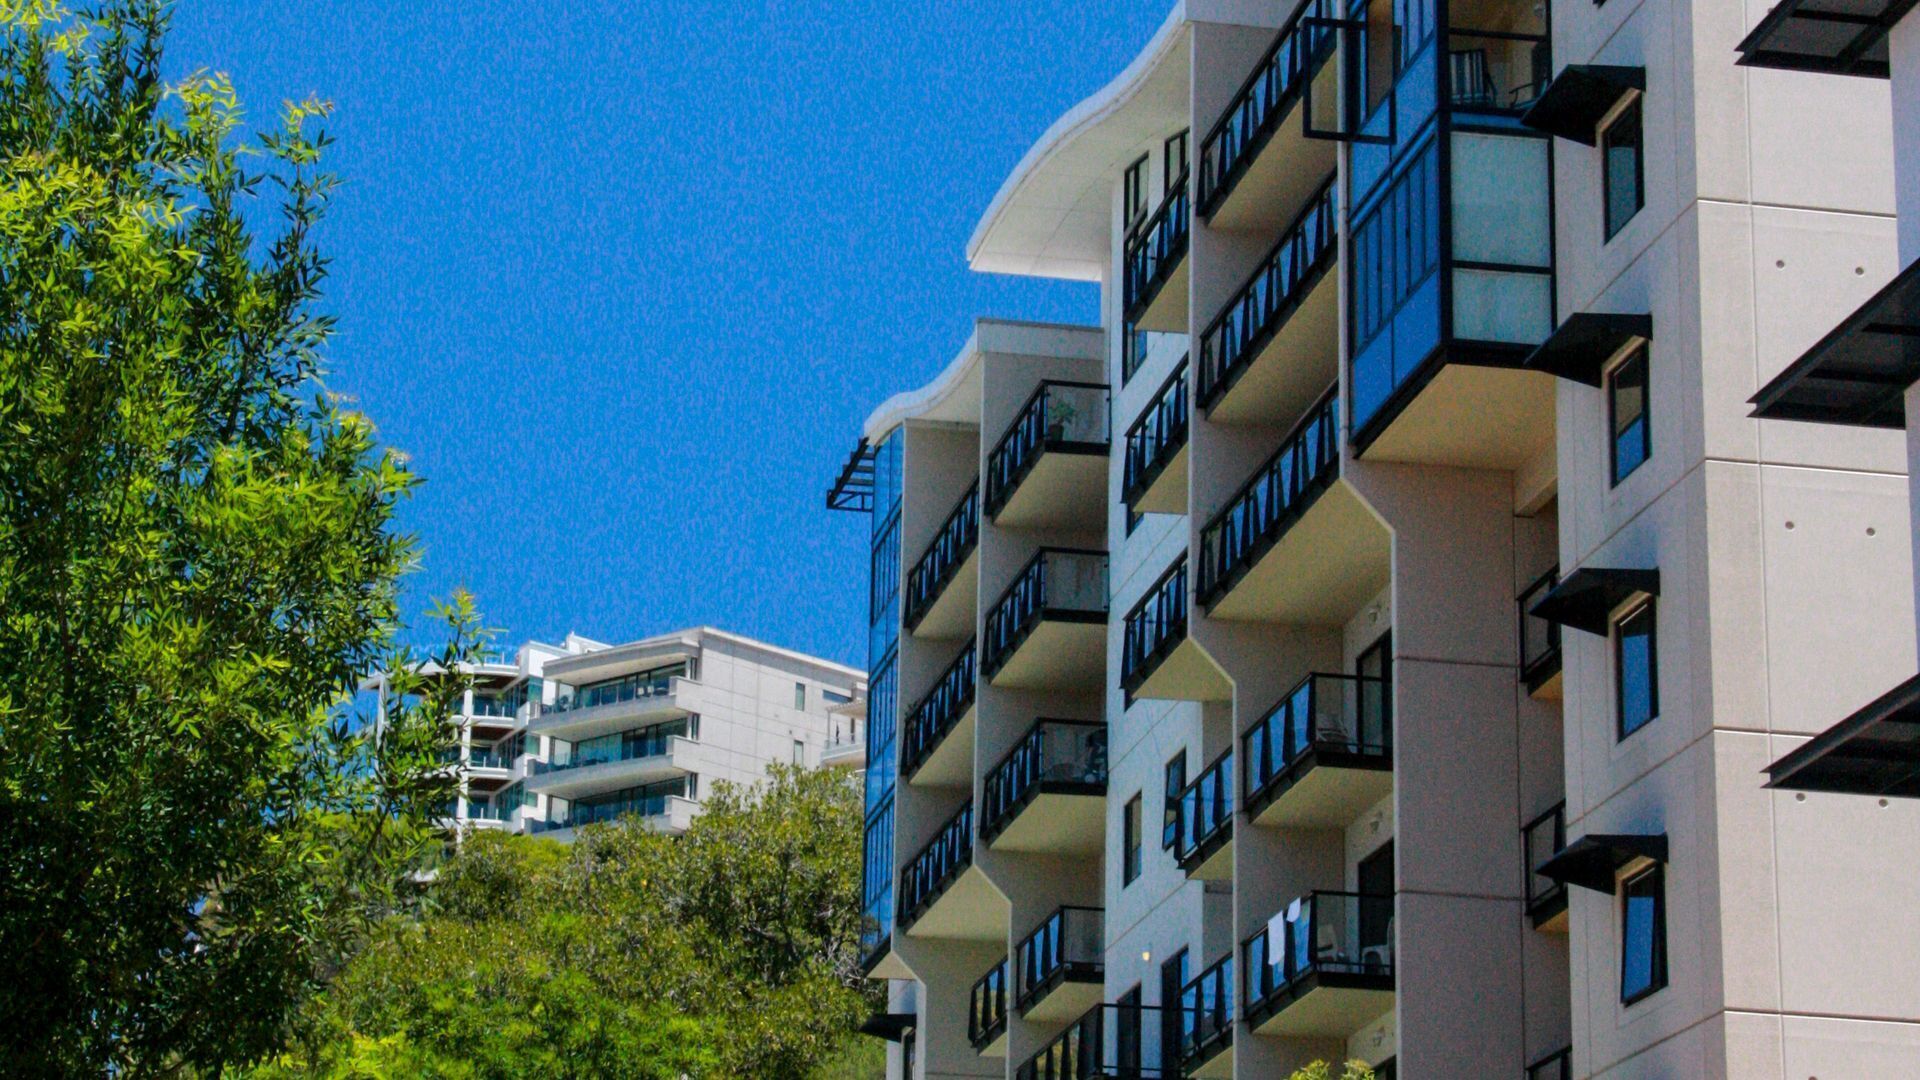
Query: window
1130, 842
1380, 53
800, 696
799, 752
1176, 783
1133, 203
1127, 1031
1636, 682
1396, 247
1624, 169
835, 697
1173, 979
1643, 935
1173, 159
1627, 414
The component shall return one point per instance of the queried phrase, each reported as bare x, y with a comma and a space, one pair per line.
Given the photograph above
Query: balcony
1050, 470
661, 813
1291, 546
1117, 1041
1540, 840
1157, 659
1331, 972
987, 1013
1155, 480
1276, 344
1050, 793
1540, 641
1206, 1022
1060, 966
1048, 631
940, 896
612, 762
1323, 755
1156, 271
1204, 844
846, 744
1555, 1066
928, 755
1255, 169
944, 586
625, 703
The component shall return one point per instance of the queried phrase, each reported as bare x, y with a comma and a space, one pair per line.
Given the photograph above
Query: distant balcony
987, 1013
943, 587
494, 711
1157, 659
1156, 270
601, 709
939, 898
1331, 972
616, 761
1060, 966
1540, 840
948, 706
1204, 844
1539, 641
1049, 794
1206, 1022
662, 813
1278, 495
1155, 481
1322, 755
846, 743
1050, 470
1243, 183
1048, 631
1275, 346
1111, 1041
1555, 1066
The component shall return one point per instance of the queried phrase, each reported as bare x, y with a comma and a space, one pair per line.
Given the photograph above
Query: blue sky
624, 287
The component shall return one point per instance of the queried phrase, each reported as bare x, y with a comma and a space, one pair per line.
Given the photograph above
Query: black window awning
1579, 97
1876, 751
1586, 598
1594, 861
853, 491
1582, 344
1859, 373
1838, 37
889, 1026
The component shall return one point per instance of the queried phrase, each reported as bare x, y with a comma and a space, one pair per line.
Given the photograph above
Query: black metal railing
936, 713
957, 538
1155, 627
1156, 247
1111, 1040
1155, 439
1206, 814
1555, 1066
1539, 638
987, 1007
1070, 417
1268, 504
1057, 583
1269, 298
1541, 839
1068, 946
1263, 100
1326, 933
1206, 1014
1065, 756
937, 866
1340, 720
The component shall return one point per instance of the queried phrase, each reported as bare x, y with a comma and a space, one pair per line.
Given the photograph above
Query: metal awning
1859, 373
1876, 751
1579, 97
1837, 37
1594, 861
889, 1026
853, 491
1586, 598
1582, 344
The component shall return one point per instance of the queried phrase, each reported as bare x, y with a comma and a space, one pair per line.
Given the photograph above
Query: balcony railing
1337, 720
1156, 247
628, 746
1064, 756
494, 708
1109, 1041
1256, 110
1269, 298
1263, 510
944, 557
637, 806
1331, 936
1497, 71
480, 811
1206, 814
1058, 583
1541, 839
1206, 1014
1555, 1066
646, 685
1539, 638
1070, 417
1155, 439
936, 714
489, 759
987, 1008
938, 866
1069, 945
1155, 627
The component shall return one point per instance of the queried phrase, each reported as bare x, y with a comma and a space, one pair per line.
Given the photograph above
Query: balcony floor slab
1059, 654
969, 910
1326, 796
1335, 558
1063, 490
1057, 824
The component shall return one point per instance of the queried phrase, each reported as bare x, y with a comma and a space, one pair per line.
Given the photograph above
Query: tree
197, 562
1320, 1070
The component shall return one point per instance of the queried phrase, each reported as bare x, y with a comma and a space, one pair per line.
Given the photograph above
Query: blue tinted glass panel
1636, 670
1643, 937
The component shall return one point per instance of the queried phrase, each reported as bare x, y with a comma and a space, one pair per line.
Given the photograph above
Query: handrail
1068, 943
937, 865
1269, 296
1327, 931
1050, 420
1537, 663
1157, 436
1069, 753
987, 1007
1206, 809
1355, 720
1255, 111
1156, 625
1156, 247
934, 716
1032, 597
1267, 503
1206, 1012
957, 538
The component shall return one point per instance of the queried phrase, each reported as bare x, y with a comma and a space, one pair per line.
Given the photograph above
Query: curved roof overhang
953, 397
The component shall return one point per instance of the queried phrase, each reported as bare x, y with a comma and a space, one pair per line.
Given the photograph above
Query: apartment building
570, 734
1371, 639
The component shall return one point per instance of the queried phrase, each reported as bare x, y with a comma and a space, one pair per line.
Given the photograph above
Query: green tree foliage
726, 952
1320, 1070
197, 561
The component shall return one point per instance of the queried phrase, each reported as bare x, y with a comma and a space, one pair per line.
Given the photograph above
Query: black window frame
1640, 358
1632, 109
1644, 608
1173, 785
1657, 975
1131, 822
1175, 156
1133, 195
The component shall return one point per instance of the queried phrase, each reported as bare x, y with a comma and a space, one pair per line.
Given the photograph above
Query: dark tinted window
1643, 935
1620, 151
1130, 842
1627, 414
1636, 670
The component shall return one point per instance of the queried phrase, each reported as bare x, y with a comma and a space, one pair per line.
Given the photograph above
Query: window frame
1657, 973
1133, 195
1644, 607
1176, 147
1170, 819
1131, 822
1632, 108
1639, 355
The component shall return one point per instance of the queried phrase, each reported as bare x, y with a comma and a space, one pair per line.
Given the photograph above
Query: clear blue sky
624, 278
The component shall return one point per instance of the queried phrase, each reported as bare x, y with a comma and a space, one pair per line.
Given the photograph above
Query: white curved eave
1053, 215
940, 399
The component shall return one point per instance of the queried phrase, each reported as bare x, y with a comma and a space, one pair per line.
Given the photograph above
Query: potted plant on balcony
1060, 414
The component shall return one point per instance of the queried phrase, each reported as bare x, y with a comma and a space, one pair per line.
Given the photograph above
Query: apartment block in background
1455, 603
